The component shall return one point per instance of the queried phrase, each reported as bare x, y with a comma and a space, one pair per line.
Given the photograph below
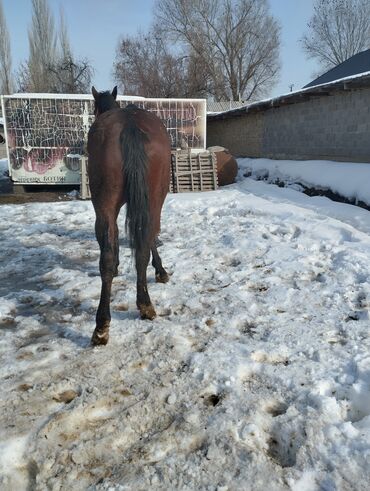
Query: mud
11, 194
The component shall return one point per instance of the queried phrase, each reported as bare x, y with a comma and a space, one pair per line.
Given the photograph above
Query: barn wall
329, 127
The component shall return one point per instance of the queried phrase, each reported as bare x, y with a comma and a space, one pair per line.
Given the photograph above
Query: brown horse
129, 162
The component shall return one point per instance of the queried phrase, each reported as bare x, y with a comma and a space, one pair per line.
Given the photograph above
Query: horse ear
95, 93
114, 92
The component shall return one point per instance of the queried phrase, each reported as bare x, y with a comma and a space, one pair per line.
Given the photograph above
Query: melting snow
255, 375
349, 180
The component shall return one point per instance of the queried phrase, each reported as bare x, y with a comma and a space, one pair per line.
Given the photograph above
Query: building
326, 121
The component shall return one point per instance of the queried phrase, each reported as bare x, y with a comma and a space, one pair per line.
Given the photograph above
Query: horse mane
106, 101
132, 106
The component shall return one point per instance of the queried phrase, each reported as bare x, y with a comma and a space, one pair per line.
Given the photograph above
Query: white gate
46, 133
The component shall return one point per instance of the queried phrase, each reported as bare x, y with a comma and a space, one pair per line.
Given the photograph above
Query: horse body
129, 162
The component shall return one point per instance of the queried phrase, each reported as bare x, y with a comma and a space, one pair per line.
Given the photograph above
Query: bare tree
71, 76
145, 66
43, 48
237, 41
6, 76
337, 30
52, 66
23, 77
65, 45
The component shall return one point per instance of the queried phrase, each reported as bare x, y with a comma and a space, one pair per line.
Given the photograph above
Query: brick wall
328, 127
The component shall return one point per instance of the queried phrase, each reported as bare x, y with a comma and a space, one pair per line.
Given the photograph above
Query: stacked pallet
193, 171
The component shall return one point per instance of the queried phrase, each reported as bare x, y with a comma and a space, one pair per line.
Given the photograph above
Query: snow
255, 375
46, 95
342, 79
38, 95
348, 179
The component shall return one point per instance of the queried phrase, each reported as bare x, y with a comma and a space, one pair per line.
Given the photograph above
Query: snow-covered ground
254, 376
347, 179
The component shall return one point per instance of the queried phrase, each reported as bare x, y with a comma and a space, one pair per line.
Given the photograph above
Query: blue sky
95, 27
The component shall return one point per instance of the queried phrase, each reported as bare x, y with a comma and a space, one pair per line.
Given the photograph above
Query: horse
129, 159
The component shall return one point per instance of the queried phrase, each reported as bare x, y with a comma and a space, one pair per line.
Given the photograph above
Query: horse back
106, 161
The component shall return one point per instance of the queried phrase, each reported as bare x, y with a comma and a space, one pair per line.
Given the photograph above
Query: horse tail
135, 165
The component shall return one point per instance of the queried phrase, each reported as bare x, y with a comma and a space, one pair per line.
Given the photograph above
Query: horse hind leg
161, 275
143, 301
107, 236
116, 251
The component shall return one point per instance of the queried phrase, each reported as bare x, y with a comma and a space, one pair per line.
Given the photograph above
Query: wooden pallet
193, 171
190, 172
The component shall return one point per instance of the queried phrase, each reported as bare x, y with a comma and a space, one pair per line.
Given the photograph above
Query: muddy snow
254, 376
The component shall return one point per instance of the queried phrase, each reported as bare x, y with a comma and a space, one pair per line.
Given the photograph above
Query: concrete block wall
328, 127
241, 135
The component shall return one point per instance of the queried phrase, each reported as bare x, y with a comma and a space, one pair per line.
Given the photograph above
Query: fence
216, 107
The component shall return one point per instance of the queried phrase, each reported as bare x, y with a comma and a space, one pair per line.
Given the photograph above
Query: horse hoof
162, 278
100, 338
147, 312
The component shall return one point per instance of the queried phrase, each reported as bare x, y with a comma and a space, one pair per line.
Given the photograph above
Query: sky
96, 26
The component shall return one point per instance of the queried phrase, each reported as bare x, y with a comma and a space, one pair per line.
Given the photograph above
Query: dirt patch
10, 194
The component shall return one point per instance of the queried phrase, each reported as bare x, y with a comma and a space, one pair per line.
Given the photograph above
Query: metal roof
355, 65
